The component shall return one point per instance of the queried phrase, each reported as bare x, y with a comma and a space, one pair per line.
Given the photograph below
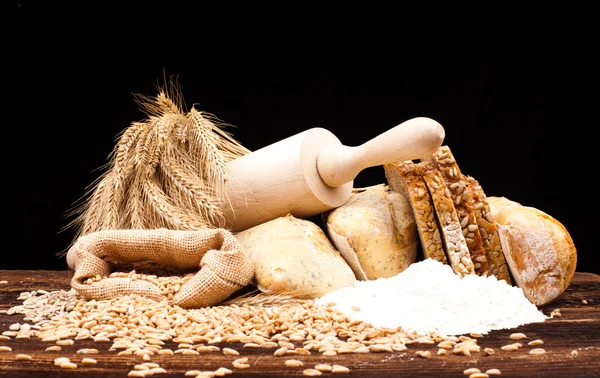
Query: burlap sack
224, 269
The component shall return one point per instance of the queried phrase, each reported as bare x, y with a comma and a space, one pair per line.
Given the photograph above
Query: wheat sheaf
167, 171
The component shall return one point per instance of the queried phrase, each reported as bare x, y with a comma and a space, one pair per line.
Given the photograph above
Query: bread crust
404, 178
454, 241
538, 249
488, 231
462, 197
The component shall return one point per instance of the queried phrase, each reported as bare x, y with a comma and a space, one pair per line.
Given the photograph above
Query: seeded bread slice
404, 178
462, 197
455, 244
488, 231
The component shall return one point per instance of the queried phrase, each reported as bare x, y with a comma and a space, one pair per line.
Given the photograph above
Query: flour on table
428, 297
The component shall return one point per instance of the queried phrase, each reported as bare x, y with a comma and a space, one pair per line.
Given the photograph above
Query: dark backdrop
511, 84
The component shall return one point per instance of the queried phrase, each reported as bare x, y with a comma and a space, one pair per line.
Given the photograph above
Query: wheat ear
163, 213
182, 184
204, 146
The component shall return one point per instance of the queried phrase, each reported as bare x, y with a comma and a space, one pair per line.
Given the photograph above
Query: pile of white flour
428, 297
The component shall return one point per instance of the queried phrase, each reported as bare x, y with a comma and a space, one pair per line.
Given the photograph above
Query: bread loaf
539, 250
404, 178
295, 257
375, 232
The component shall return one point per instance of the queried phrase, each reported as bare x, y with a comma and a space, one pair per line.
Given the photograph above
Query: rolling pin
312, 172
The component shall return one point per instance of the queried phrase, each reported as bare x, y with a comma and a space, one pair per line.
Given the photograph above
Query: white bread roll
538, 249
375, 231
293, 256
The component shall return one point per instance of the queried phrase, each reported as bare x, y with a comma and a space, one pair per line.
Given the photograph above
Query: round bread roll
375, 231
538, 249
294, 256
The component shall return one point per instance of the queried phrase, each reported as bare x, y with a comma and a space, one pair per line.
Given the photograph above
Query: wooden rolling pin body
312, 172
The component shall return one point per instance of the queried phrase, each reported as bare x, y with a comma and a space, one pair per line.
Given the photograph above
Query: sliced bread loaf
462, 197
453, 239
404, 178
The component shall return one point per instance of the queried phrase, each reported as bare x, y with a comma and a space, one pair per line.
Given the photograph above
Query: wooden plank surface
572, 342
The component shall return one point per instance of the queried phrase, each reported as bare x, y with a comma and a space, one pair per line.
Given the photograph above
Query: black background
511, 84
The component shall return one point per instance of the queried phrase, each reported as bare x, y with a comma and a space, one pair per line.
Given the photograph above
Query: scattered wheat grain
293, 363
251, 346
339, 369
478, 375
493, 372
223, 371
517, 336
311, 372
323, 368
280, 352
68, 365
60, 360
537, 351
23, 357
230, 352
509, 347
155, 371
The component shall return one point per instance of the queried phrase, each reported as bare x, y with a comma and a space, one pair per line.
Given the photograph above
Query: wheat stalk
257, 297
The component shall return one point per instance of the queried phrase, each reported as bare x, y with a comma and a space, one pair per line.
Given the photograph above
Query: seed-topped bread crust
404, 178
457, 250
488, 231
463, 203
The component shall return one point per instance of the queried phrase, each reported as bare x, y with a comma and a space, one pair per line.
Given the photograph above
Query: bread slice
404, 178
463, 203
455, 244
488, 231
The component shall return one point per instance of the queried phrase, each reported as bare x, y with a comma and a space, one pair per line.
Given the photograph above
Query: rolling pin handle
409, 140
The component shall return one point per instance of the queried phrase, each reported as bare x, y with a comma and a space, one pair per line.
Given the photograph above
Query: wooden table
572, 342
